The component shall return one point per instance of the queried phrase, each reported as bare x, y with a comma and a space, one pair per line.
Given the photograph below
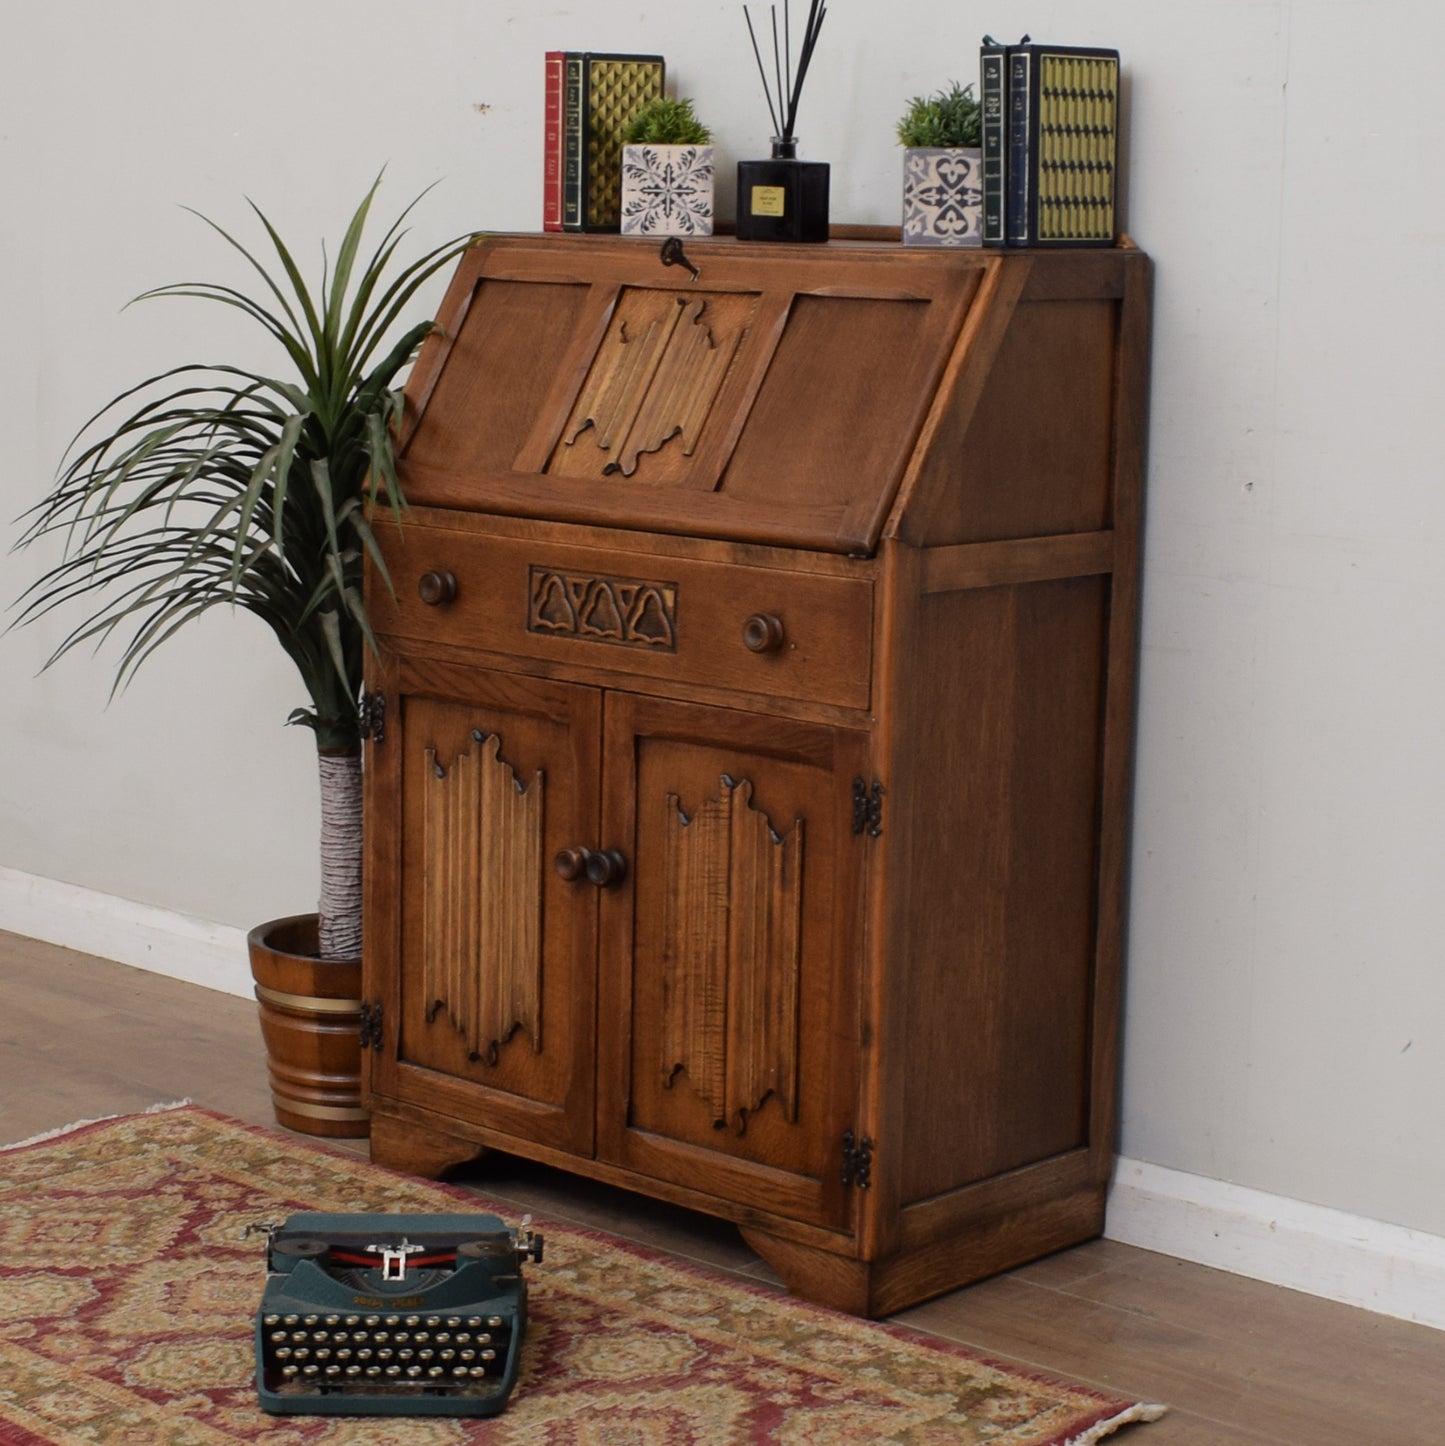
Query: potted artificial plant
667, 172
942, 169
212, 484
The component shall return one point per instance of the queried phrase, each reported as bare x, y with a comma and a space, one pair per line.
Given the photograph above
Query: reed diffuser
783, 198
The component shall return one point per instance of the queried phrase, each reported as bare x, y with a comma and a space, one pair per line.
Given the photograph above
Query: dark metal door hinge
371, 1026
373, 716
867, 808
857, 1160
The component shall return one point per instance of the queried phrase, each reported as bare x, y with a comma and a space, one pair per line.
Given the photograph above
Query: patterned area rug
127, 1296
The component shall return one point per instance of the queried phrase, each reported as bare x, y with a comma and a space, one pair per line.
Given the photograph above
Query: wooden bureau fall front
748, 771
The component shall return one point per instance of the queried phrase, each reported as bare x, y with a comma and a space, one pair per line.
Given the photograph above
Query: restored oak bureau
750, 739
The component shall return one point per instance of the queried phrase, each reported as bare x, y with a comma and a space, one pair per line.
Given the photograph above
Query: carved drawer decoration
732, 924
622, 611
482, 950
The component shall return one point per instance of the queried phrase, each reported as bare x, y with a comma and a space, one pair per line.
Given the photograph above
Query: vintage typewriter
404, 1315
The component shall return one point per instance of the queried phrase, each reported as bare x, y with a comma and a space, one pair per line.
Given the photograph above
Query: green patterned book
602, 94
1059, 145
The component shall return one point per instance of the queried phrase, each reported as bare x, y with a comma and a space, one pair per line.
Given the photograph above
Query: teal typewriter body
392, 1315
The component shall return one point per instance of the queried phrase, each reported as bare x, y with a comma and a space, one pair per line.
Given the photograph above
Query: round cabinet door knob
571, 864
763, 633
606, 868
436, 587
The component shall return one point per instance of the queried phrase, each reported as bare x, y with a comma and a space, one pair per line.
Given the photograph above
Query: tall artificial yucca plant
211, 485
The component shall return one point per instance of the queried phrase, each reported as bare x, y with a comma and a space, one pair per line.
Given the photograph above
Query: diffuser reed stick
787, 78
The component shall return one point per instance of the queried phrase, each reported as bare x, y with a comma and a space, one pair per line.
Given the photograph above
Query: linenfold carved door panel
498, 775
733, 954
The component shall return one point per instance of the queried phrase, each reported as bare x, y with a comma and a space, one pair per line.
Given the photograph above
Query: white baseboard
163, 942
1324, 1252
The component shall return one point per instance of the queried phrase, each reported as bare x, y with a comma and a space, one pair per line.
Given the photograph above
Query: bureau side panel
994, 976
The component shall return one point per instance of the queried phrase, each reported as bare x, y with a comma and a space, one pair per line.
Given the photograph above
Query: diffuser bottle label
769, 201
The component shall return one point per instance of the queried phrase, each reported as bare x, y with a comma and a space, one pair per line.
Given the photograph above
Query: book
1061, 145
552, 142
600, 94
572, 142
993, 105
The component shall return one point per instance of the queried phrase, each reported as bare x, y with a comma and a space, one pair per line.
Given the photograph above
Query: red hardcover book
552, 144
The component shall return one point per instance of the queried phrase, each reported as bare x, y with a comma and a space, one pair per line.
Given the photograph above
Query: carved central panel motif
482, 944
619, 610
655, 377
732, 925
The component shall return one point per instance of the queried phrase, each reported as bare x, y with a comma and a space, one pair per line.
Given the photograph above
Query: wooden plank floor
1239, 1363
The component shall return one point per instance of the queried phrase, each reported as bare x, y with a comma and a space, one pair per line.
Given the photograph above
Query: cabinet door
730, 959
483, 957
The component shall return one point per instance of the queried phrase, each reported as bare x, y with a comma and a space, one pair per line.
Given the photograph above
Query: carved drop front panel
653, 386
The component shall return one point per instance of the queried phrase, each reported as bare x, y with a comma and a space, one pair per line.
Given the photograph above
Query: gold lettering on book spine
732, 923
482, 945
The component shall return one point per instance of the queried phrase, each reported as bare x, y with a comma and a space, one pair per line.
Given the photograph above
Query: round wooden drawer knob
437, 587
763, 633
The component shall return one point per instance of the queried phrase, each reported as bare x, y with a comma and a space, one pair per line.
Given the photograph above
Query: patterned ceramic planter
667, 190
942, 197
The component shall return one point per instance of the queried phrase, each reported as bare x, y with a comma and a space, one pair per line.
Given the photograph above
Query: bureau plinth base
419, 1149
882, 1287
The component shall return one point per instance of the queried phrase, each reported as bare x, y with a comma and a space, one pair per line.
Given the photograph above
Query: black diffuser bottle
783, 198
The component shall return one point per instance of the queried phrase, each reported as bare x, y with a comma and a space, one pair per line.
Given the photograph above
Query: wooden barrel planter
311, 1023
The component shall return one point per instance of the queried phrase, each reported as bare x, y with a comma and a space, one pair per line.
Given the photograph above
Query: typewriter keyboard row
388, 1352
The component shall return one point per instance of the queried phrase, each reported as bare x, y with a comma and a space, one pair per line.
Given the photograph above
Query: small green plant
948, 118
665, 122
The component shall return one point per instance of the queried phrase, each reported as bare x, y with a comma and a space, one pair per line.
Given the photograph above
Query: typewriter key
372, 1372
353, 1370
333, 1320
413, 1320
413, 1371
373, 1321
435, 1371
289, 1371
364, 1354
333, 1370
271, 1320
309, 1320
311, 1370
489, 1355
353, 1320
393, 1371
453, 1321
290, 1320
392, 1320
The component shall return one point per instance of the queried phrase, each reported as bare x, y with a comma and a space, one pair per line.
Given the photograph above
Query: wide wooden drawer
754, 629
